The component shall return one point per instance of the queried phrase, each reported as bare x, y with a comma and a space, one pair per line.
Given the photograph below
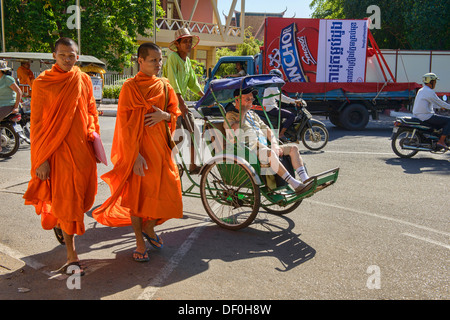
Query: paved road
381, 232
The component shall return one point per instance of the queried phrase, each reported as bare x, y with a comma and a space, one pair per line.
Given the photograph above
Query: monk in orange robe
25, 76
145, 183
64, 118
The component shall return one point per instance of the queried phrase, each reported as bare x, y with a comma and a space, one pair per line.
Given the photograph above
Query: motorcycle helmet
428, 77
277, 73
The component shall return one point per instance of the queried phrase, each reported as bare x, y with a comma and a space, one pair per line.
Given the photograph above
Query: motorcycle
313, 133
9, 134
24, 122
410, 135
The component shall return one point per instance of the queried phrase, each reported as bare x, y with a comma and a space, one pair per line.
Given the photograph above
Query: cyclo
232, 184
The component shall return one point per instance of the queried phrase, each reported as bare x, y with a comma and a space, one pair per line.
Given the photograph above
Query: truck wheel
354, 117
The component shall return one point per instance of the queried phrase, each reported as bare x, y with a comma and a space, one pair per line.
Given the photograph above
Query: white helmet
428, 77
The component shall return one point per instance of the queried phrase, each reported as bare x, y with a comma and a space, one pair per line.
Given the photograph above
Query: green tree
109, 29
405, 24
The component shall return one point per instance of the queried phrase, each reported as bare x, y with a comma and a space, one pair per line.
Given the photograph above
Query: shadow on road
422, 165
118, 276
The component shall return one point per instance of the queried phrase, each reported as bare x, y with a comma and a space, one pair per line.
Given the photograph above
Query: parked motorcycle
410, 135
313, 133
9, 134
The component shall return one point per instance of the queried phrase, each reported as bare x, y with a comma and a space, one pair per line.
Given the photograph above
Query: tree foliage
249, 47
405, 24
109, 28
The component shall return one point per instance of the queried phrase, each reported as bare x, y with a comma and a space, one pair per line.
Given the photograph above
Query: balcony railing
198, 27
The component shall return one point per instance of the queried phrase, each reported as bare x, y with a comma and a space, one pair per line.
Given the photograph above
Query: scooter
9, 134
410, 135
24, 122
313, 133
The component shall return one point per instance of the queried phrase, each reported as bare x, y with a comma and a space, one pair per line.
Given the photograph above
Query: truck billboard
317, 50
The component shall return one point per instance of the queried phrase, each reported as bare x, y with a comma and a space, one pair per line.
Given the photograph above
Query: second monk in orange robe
145, 184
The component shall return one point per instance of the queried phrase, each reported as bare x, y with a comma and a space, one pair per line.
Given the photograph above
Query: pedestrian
178, 69
145, 183
64, 119
10, 93
25, 76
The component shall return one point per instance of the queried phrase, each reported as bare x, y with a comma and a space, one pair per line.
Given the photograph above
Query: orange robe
157, 195
63, 120
25, 76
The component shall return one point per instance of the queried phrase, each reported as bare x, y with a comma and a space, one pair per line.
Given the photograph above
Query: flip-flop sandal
151, 240
64, 268
59, 235
144, 256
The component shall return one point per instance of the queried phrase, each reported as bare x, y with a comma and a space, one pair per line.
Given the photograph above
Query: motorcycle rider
424, 104
271, 106
10, 93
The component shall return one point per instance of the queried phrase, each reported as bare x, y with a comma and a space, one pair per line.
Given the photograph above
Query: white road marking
427, 240
165, 272
418, 226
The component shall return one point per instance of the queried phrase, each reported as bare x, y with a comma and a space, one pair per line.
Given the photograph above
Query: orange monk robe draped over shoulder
157, 195
25, 76
63, 119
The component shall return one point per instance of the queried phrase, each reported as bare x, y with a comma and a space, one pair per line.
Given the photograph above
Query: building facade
201, 18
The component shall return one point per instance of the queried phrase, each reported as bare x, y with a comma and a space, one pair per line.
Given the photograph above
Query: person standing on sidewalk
178, 69
64, 118
145, 183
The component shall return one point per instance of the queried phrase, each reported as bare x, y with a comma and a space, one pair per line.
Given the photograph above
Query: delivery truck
337, 67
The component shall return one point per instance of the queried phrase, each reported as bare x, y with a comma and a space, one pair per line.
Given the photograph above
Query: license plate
395, 130
18, 128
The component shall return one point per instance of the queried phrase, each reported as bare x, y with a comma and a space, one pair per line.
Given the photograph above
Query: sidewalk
108, 110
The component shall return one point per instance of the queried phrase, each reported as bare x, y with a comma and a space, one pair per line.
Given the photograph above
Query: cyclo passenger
255, 134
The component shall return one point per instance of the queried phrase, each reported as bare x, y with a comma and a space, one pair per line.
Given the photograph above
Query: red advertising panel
315, 50
291, 46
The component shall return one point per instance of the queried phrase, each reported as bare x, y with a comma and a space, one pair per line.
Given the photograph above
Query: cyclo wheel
229, 194
280, 210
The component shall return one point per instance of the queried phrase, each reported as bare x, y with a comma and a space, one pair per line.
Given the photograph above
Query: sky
299, 8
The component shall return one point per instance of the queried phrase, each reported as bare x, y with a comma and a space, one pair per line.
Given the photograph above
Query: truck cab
227, 65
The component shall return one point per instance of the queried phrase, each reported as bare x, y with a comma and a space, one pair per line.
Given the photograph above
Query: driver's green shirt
180, 74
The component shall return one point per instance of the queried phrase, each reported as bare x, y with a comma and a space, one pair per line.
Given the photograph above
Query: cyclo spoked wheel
229, 194
280, 209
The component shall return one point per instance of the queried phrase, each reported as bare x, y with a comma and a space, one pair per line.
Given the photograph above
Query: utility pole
78, 26
154, 21
3, 29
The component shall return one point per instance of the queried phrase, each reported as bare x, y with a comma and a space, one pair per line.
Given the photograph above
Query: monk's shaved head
145, 48
65, 42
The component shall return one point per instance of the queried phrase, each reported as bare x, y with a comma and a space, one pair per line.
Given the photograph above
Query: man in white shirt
424, 104
270, 104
